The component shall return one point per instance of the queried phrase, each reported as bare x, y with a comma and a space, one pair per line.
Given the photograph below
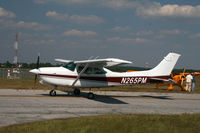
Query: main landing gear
77, 93
90, 95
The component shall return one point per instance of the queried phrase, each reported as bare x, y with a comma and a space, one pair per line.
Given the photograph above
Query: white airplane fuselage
61, 76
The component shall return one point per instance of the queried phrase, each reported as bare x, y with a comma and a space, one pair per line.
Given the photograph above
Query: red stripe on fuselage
122, 80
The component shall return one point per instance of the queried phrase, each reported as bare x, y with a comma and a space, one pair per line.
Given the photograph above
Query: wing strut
79, 75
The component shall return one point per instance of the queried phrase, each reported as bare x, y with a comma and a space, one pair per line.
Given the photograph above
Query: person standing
189, 79
193, 81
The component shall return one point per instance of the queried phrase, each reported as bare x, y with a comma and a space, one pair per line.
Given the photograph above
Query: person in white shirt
189, 79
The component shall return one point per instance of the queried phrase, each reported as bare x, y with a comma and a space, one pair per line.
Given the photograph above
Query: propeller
182, 77
37, 67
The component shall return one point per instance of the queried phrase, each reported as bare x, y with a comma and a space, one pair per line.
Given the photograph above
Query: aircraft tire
90, 95
76, 92
52, 93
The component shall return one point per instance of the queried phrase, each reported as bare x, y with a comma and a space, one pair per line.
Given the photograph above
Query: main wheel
90, 95
52, 93
76, 92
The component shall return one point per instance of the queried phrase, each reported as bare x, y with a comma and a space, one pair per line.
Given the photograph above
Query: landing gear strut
53, 92
76, 92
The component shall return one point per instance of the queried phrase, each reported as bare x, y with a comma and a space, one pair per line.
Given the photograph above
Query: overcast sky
139, 31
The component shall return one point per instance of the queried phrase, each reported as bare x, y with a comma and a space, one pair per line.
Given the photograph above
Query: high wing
97, 62
63, 61
102, 62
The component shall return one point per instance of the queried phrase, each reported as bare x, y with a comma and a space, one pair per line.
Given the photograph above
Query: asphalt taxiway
20, 106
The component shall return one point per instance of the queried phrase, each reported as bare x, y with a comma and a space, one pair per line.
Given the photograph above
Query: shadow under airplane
110, 99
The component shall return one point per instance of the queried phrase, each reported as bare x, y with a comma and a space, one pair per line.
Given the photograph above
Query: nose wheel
52, 93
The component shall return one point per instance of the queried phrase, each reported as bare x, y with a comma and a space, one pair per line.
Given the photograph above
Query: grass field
29, 84
185, 123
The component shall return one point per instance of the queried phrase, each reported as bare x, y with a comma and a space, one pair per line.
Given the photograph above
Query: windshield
71, 66
91, 70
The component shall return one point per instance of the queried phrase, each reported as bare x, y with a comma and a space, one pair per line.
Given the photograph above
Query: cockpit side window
91, 70
71, 66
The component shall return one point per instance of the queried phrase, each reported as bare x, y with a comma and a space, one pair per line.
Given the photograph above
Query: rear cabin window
91, 70
71, 66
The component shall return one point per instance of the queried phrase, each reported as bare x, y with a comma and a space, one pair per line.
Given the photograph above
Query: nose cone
35, 71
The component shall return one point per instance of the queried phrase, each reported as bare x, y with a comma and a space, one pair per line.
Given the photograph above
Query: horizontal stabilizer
157, 80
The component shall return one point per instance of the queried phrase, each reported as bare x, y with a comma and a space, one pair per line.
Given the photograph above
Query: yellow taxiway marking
119, 97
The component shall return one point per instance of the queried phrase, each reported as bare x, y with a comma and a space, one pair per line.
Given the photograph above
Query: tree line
26, 65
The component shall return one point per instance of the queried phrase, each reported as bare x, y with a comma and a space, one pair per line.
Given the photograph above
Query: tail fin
166, 66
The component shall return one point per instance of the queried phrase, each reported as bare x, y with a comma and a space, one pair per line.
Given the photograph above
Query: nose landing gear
53, 92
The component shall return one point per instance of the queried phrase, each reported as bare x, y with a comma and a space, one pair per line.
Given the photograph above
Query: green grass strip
138, 123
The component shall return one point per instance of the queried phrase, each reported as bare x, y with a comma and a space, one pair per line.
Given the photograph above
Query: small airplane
92, 73
179, 80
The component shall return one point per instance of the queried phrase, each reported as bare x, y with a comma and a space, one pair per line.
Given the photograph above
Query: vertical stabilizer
166, 66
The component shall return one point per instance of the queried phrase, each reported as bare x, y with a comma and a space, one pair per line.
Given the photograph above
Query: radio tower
15, 70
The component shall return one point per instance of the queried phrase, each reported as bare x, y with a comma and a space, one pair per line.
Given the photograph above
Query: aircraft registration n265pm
93, 74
